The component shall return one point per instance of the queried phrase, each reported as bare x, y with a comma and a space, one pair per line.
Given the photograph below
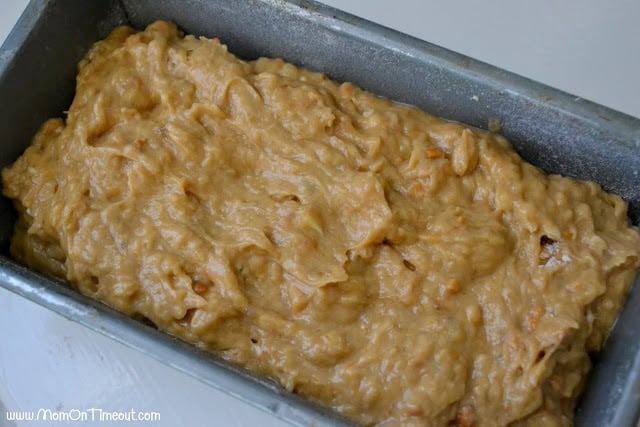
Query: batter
398, 268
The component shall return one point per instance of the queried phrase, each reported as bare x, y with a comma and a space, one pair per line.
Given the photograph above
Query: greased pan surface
549, 128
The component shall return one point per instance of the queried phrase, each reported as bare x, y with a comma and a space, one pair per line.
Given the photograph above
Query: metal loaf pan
551, 129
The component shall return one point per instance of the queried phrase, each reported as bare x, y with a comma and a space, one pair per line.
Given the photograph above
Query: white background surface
590, 48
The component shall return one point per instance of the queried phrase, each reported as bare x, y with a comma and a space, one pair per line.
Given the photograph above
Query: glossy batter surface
401, 269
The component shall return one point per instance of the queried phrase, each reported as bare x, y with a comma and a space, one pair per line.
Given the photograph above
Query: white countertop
590, 48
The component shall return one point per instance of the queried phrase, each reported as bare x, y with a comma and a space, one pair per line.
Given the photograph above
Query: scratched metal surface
552, 129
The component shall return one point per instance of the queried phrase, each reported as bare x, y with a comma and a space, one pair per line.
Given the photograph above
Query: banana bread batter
401, 269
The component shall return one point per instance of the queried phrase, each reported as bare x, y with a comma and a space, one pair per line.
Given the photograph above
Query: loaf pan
554, 130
